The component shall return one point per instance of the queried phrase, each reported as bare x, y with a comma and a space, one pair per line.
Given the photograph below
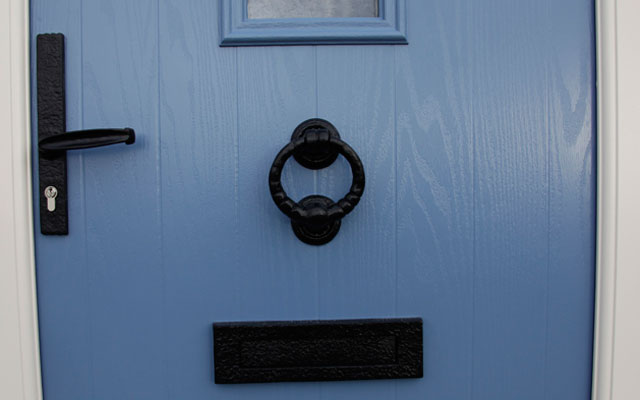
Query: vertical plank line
395, 172
474, 252
547, 121
315, 65
83, 196
160, 204
317, 91
236, 177
395, 184
319, 392
315, 186
237, 149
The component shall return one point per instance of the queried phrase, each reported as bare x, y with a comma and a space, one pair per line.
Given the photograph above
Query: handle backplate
53, 142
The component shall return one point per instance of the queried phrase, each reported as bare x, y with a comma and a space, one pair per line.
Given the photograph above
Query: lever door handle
86, 139
54, 141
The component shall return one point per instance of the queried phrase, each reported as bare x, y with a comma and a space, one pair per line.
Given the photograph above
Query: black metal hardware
53, 142
317, 155
249, 352
316, 143
86, 139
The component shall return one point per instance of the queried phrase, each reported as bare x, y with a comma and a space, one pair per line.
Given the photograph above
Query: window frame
236, 29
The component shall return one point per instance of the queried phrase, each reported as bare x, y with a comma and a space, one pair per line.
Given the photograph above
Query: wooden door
477, 140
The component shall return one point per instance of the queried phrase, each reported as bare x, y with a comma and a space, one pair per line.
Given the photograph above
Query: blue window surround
237, 30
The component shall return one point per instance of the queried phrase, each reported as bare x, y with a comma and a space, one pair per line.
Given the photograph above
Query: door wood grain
478, 214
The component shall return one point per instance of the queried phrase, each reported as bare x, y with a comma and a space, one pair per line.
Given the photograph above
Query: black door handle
86, 139
316, 144
53, 142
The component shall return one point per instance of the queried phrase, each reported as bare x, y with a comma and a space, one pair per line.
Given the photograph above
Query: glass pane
263, 9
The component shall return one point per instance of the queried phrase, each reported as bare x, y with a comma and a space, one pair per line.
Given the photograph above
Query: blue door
477, 141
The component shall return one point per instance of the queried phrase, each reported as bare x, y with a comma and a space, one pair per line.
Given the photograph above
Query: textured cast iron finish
51, 121
86, 139
316, 234
251, 352
315, 155
53, 141
322, 213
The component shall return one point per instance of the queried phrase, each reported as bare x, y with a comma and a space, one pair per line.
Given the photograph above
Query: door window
268, 9
315, 22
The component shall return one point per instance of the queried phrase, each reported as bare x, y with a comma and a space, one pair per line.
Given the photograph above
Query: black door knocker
315, 144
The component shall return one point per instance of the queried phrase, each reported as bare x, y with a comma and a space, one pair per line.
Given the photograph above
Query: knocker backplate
316, 234
315, 156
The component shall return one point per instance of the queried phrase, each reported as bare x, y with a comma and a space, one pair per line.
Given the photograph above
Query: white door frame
616, 330
19, 350
617, 326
